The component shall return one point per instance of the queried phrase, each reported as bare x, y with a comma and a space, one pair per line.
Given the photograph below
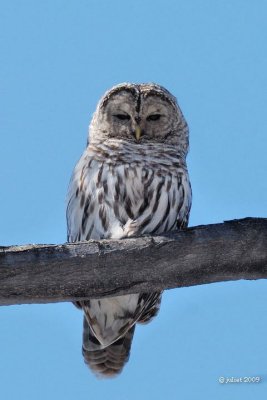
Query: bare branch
211, 253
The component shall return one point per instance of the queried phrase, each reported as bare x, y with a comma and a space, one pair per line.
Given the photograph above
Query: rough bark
204, 254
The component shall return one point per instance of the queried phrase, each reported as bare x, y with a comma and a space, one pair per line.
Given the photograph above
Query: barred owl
131, 180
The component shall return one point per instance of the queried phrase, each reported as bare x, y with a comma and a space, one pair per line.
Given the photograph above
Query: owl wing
85, 213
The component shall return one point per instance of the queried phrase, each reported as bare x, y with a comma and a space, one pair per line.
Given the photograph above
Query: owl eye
153, 117
123, 117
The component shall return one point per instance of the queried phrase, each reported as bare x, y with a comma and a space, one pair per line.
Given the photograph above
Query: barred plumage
131, 180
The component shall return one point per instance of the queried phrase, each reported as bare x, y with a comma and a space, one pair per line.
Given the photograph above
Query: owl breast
142, 191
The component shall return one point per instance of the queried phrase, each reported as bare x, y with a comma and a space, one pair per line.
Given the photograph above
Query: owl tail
108, 361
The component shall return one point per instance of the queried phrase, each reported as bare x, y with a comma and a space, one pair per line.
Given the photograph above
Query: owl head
139, 113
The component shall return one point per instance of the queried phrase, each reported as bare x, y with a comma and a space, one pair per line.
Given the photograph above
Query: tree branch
204, 254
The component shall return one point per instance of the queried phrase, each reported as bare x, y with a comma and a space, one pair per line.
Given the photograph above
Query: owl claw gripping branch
131, 180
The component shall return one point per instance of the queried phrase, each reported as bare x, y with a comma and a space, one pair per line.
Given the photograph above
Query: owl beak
137, 132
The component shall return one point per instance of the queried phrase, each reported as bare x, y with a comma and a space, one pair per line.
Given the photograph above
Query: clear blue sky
57, 59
